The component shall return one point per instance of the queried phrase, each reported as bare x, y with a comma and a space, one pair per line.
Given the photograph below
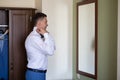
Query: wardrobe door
3, 17
19, 27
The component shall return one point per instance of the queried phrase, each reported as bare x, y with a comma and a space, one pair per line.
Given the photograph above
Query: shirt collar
34, 30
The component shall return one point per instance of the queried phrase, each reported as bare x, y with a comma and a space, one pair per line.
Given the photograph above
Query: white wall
22, 3
60, 26
38, 5
118, 57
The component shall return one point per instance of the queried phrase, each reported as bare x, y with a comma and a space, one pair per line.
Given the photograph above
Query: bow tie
41, 36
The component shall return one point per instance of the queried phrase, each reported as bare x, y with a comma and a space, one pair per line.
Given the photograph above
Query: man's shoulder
33, 35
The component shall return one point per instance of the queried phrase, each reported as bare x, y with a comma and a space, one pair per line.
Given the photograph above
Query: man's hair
38, 16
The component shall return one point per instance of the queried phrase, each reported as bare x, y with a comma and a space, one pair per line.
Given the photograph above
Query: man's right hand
41, 31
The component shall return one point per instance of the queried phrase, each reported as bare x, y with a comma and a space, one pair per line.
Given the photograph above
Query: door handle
30, 18
11, 66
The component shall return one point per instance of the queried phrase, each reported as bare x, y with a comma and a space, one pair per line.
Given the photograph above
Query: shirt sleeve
47, 46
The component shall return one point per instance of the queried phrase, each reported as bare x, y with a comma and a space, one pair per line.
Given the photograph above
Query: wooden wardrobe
19, 23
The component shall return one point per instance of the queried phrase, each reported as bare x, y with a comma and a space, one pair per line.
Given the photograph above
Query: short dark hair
37, 16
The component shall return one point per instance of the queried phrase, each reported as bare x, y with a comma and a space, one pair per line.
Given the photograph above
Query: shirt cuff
46, 35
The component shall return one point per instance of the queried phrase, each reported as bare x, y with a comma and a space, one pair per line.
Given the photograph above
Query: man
39, 44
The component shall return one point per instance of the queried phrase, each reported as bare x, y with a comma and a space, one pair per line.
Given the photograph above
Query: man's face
42, 23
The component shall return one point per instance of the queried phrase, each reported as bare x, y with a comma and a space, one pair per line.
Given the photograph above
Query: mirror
87, 38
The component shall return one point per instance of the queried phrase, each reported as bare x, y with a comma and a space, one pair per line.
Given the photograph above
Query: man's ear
39, 23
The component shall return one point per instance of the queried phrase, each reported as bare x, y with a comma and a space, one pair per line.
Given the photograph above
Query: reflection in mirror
86, 38
86, 51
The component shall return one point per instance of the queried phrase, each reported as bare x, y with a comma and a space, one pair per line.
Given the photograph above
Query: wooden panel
16, 8
19, 27
3, 17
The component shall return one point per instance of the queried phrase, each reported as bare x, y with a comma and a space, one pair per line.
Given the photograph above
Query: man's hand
41, 31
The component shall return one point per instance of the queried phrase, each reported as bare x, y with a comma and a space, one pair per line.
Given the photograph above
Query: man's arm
47, 46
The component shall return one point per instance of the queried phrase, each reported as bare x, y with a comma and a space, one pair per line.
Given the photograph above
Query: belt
36, 70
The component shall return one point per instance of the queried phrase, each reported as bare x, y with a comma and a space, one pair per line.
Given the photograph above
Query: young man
39, 44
